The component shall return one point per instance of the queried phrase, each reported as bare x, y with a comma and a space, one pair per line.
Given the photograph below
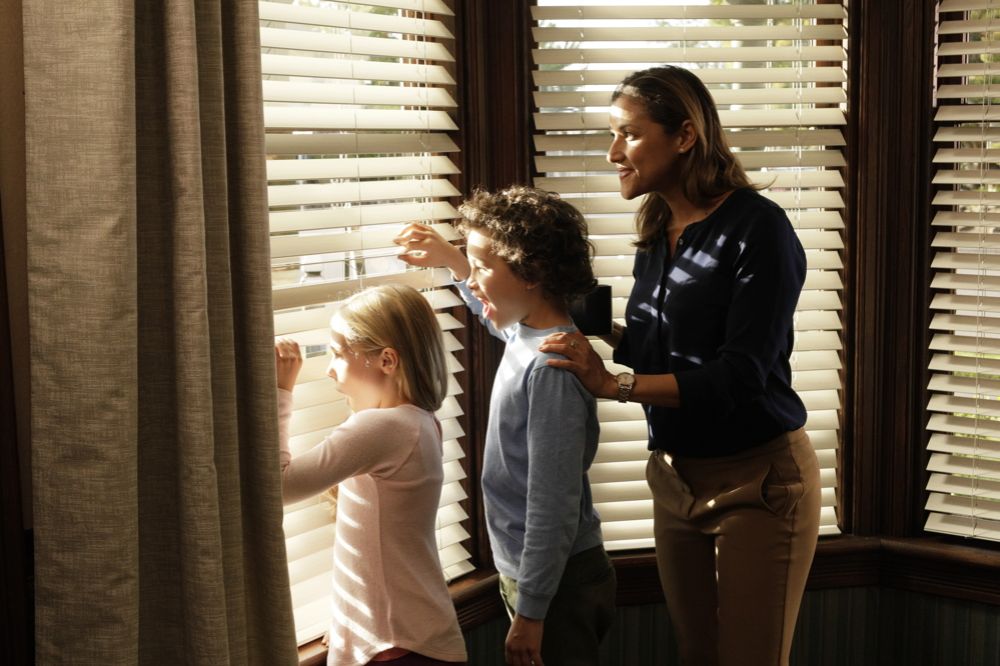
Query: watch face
626, 378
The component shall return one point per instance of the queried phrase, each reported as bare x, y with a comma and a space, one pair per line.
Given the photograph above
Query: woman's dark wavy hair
540, 236
672, 95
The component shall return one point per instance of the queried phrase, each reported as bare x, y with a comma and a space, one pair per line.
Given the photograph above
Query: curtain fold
156, 486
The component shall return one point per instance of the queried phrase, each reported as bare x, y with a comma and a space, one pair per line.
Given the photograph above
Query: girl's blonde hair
397, 316
671, 96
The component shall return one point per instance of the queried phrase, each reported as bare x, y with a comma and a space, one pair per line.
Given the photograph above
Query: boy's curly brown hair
539, 235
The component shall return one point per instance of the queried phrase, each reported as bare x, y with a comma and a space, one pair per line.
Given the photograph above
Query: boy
528, 257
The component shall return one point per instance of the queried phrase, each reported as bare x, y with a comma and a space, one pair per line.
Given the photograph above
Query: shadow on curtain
157, 509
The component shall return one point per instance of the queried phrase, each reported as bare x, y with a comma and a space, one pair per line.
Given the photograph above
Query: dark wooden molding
638, 580
16, 636
934, 566
942, 566
845, 561
495, 138
477, 600
16, 560
495, 83
839, 562
887, 266
313, 653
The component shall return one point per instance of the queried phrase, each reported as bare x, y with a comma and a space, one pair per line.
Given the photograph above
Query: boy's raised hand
425, 247
287, 362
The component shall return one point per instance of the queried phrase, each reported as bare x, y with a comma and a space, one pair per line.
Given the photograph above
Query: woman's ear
686, 136
388, 360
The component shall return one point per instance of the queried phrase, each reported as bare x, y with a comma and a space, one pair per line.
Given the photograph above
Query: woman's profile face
645, 154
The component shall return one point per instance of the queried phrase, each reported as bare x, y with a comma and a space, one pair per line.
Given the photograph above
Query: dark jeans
581, 612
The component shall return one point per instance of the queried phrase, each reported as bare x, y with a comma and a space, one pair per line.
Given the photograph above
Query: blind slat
683, 33
274, 11
639, 55
765, 96
688, 12
274, 64
305, 40
330, 143
610, 77
321, 93
315, 118
747, 118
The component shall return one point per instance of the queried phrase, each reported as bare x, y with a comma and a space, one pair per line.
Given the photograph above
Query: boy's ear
388, 360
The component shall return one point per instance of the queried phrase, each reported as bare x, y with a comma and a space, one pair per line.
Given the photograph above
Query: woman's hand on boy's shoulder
287, 362
426, 248
581, 359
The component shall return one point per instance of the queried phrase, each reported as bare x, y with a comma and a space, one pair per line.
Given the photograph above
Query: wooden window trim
933, 565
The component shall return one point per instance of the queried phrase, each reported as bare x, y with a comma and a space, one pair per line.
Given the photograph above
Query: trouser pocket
669, 490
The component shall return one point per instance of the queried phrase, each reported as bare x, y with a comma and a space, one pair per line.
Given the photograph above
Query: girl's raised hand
287, 362
425, 247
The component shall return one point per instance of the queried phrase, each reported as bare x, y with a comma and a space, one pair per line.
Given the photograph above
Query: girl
391, 604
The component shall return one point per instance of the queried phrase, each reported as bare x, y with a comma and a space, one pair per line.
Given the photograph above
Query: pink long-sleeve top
388, 590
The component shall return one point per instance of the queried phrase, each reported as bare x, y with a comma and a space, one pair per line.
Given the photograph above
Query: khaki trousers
735, 537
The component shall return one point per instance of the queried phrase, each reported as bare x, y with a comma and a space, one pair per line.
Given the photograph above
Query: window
357, 108
964, 444
777, 73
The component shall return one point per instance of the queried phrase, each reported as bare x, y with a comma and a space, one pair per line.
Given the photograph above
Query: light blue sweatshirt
540, 441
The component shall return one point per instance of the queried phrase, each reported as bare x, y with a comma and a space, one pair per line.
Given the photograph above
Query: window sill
939, 566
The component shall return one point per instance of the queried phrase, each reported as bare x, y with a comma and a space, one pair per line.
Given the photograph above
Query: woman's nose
614, 152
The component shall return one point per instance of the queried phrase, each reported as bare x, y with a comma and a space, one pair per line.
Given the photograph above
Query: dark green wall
864, 626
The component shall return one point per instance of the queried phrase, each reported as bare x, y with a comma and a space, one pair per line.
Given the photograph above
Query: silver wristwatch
626, 382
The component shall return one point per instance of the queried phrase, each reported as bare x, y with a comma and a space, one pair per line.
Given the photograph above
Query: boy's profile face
506, 298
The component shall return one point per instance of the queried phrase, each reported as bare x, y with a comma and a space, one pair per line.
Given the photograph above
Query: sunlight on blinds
777, 73
964, 423
358, 108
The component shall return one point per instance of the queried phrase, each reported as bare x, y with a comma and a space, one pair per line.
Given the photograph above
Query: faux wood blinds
777, 72
964, 444
357, 106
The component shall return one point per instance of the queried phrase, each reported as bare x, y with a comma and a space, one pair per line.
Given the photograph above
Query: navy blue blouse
718, 315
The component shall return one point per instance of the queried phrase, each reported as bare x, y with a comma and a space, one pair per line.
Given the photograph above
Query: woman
709, 333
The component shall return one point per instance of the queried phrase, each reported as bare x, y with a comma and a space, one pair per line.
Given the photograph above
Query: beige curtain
157, 508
